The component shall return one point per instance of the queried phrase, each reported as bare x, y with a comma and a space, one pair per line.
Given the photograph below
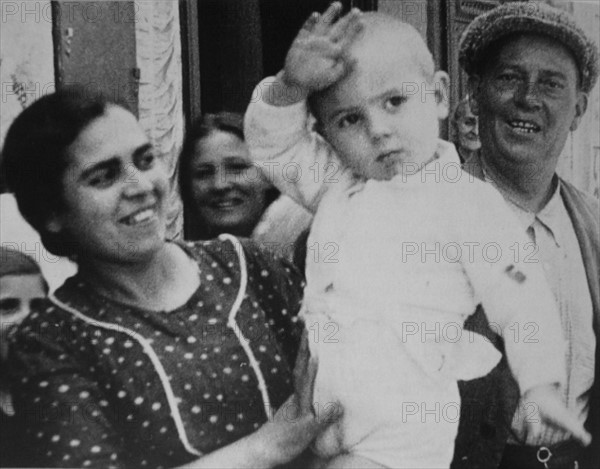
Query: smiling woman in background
222, 190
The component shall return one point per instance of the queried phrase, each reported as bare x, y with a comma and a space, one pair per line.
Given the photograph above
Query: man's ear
474, 86
441, 81
580, 108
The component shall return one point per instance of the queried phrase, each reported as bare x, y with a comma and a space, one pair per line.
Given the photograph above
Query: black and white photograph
300, 234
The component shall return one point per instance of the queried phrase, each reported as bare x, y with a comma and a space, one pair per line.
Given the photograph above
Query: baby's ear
441, 82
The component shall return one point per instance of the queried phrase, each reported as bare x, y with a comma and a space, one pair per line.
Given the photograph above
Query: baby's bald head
386, 36
383, 39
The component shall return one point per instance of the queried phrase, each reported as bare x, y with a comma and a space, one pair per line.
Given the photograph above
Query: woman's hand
295, 424
551, 410
285, 436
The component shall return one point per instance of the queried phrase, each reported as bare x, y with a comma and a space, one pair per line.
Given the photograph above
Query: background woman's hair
230, 122
202, 127
35, 156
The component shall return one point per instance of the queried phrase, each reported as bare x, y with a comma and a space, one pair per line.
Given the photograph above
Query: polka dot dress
101, 384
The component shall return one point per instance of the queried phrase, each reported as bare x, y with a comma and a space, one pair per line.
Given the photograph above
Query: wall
580, 161
26, 57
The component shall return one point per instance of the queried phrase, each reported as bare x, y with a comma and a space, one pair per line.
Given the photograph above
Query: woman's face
229, 191
18, 295
115, 191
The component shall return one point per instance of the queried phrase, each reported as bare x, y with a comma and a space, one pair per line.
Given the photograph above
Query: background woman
224, 192
155, 353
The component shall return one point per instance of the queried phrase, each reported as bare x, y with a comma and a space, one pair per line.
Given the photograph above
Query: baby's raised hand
316, 57
551, 410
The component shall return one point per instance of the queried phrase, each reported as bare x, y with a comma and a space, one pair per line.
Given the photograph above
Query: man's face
382, 118
527, 100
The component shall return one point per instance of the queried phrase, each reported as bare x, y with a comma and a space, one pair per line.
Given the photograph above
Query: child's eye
8, 305
394, 102
348, 120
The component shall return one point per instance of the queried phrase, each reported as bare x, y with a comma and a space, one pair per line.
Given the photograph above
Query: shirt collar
549, 216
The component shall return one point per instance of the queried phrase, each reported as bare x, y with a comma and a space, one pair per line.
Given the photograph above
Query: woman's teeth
139, 217
227, 203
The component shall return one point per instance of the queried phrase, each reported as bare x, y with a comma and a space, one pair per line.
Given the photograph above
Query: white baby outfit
393, 270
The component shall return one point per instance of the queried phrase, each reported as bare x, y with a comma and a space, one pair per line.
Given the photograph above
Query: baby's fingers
562, 418
553, 411
347, 27
309, 25
328, 18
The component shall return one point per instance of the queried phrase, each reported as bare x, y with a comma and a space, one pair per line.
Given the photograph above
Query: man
530, 70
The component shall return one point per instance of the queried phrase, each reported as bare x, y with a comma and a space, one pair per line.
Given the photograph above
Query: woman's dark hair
35, 156
202, 127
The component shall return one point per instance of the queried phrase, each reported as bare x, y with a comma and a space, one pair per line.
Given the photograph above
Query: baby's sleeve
507, 278
292, 155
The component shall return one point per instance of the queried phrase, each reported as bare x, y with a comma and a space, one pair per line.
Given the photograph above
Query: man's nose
527, 95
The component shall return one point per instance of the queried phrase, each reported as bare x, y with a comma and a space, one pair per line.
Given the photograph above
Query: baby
403, 246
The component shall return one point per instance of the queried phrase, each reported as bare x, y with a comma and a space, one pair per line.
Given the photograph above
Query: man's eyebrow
554, 73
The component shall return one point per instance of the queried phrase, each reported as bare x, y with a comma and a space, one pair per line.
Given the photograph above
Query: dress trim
155, 362
262, 385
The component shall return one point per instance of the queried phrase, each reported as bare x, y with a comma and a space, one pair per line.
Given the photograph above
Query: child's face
18, 294
382, 118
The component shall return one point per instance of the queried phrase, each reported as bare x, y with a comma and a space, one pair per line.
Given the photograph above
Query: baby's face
382, 118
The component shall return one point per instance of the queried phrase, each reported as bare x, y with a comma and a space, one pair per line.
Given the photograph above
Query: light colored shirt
427, 247
556, 248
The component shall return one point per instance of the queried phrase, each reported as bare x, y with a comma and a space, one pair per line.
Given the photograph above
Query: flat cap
529, 17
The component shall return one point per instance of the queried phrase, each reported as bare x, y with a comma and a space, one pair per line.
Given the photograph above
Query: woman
224, 192
155, 353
